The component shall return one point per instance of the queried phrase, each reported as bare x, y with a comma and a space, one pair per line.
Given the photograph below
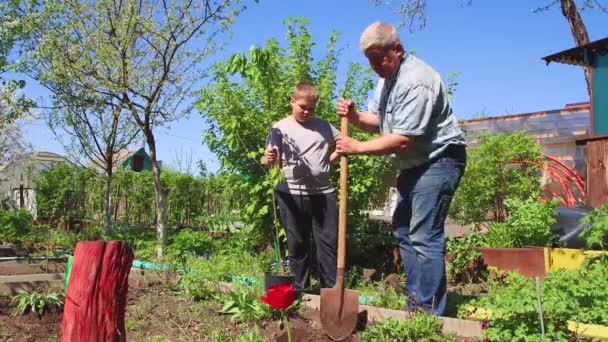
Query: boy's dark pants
302, 215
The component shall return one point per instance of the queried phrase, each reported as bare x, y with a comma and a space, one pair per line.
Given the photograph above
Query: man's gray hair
378, 34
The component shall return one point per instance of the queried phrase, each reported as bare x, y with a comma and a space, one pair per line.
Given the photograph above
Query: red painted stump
94, 308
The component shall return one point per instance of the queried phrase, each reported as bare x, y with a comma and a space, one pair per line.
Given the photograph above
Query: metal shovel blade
340, 307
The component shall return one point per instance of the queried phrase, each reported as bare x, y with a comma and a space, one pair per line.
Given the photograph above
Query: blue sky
495, 45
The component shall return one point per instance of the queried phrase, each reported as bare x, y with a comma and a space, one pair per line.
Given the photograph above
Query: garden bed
155, 310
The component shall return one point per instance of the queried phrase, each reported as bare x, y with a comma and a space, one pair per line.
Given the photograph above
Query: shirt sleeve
274, 138
334, 132
412, 111
374, 103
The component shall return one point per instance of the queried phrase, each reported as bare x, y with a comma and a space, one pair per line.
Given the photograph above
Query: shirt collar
394, 78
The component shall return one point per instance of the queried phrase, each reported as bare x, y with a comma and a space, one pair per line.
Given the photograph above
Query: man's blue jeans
425, 195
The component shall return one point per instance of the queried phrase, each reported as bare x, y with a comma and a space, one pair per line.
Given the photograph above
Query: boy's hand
271, 154
346, 107
334, 156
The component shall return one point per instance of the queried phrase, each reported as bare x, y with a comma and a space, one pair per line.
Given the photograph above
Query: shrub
38, 302
420, 327
566, 295
506, 165
463, 259
596, 231
528, 224
14, 224
189, 242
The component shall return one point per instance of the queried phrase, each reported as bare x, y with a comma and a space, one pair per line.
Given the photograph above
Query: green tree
241, 109
16, 22
91, 130
143, 56
14, 29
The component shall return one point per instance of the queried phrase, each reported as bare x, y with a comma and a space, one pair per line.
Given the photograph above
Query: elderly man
411, 110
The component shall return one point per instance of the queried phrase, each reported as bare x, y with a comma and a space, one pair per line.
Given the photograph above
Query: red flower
280, 296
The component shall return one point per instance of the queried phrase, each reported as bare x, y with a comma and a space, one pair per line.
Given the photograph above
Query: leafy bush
188, 242
420, 327
142, 240
596, 232
217, 267
528, 224
63, 192
197, 288
14, 224
389, 298
218, 222
463, 259
37, 302
244, 304
566, 295
505, 165
383, 296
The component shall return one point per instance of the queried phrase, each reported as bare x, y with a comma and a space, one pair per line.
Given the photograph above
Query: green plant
419, 327
463, 259
188, 243
528, 224
566, 295
234, 262
388, 297
501, 166
596, 230
252, 336
353, 276
63, 192
197, 288
14, 224
37, 302
243, 304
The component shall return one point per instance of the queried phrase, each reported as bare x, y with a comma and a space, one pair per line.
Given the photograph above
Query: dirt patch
155, 312
29, 327
8, 268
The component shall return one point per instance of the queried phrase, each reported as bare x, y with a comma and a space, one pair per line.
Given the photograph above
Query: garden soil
153, 311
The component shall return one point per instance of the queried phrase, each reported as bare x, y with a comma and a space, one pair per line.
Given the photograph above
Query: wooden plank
461, 327
597, 178
11, 285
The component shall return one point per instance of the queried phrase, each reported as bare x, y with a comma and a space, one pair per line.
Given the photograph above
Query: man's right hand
346, 107
271, 154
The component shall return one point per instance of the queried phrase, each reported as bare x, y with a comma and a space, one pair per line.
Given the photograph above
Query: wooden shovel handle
343, 213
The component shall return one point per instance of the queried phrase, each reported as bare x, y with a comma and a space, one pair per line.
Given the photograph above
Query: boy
300, 144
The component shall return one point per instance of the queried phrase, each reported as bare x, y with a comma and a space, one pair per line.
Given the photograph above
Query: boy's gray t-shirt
304, 150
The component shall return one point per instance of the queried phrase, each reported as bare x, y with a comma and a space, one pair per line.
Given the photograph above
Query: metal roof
576, 56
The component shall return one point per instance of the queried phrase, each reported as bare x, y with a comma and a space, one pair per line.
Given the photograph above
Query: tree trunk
94, 308
107, 203
579, 32
161, 205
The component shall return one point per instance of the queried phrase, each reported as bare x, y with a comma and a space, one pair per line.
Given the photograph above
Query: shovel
340, 306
